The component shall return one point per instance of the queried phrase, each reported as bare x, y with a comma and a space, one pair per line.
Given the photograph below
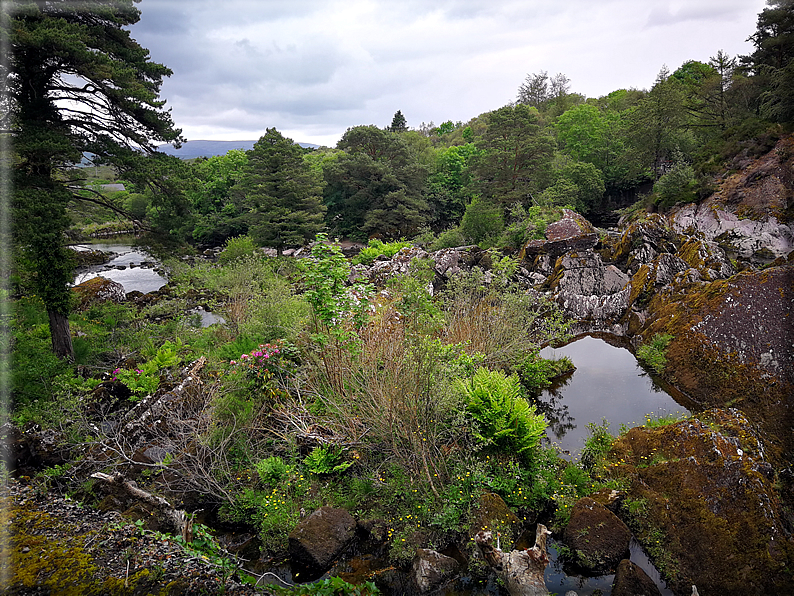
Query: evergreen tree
282, 193
398, 123
77, 84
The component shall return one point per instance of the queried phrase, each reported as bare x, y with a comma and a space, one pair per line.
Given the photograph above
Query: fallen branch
521, 570
181, 522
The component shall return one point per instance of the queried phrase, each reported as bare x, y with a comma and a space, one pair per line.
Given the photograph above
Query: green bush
239, 246
504, 418
326, 460
451, 238
377, 248
272, 470
536, 373
596, 445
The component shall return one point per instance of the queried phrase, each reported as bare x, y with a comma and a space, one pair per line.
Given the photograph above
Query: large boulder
631, 580
318, 540
703, 502
432, 569
98, 289
596, 536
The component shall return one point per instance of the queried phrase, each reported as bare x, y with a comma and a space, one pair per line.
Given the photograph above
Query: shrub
451, 238
504, 418
482, 222
596, 445
239, 246
272, 470
377, 248
326, 460
536, 373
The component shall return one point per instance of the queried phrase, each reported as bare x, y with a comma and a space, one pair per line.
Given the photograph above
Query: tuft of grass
652, 353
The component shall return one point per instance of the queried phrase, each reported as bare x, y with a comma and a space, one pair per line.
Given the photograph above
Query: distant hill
194, 149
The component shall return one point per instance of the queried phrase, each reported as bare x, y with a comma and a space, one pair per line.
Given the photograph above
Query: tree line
485, 181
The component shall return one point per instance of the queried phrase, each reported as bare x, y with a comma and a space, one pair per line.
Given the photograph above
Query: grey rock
431, 569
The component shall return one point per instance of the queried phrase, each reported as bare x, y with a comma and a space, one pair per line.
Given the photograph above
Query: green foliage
326, 459
272, 470
235, 248
482, 222
332, 586
282, 193
528, 224
376, 248
536, 373
596, 445
652, 352
503, 416
451, 238
676, 185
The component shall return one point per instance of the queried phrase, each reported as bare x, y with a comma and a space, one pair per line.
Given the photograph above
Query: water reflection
550, 404
608, 383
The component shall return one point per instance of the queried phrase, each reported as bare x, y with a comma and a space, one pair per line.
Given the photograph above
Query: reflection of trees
549, 403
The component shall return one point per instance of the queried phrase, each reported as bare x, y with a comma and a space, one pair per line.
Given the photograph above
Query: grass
652, 353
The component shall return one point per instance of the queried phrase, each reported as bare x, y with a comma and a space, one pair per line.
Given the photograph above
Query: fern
504, 418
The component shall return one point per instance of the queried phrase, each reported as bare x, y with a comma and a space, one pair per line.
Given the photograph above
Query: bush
451, 238
504, 418
536, 373
677, 185
237, 247
482, 222
377, 248
597, 445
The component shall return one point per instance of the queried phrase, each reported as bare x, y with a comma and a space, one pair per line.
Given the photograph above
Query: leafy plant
596, 445
272, 470
652, 353
536, 373
375, 248
235, 248
332, 586
326, 460
504, 418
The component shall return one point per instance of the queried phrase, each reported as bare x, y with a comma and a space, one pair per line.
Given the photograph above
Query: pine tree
80, 53
398, 123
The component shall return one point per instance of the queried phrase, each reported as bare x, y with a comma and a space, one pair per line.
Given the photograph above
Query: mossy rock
702, 501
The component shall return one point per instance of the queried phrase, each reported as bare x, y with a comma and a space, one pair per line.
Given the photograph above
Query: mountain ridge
207, 148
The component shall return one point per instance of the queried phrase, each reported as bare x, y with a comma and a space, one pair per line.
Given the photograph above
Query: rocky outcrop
431, 569
317, 541
705, 505
631, 580
596, 536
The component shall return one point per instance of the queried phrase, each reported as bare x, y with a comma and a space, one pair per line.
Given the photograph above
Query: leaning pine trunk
61, 335
521, 570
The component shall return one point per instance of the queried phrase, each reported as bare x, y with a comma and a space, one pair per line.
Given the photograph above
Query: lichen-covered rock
571, 232
596, 536
431, 569
98, 289
631, 580
320, 539
705, 504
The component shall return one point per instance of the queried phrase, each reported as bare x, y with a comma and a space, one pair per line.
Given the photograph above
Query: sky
314, 68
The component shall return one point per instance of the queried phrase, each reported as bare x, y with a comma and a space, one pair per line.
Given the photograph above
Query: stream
132, 267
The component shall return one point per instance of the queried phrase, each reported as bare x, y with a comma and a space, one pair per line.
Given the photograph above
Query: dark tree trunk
61, 335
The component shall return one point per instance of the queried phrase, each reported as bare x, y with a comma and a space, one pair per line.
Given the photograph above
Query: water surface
608, 383
132, 267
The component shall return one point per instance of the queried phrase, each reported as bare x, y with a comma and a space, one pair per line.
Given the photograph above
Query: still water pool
608, 384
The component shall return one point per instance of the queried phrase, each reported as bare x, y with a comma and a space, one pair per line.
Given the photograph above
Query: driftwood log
180, 522
521, 570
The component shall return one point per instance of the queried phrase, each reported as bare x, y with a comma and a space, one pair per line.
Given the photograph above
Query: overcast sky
313, 68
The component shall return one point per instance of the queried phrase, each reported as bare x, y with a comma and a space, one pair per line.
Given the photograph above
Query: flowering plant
261, 364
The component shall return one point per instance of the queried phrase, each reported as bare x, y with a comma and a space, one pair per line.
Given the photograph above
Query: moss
63, 565
711, 504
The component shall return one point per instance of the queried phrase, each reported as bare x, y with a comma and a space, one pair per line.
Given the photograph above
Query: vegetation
652, 352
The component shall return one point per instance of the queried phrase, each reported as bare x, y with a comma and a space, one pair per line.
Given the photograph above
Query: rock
320, 539
571, 233
596, 536
432, 569
493, 514
98, 289
709, 504
631, 580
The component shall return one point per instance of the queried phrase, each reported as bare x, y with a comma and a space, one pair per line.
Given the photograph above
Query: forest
405, 402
